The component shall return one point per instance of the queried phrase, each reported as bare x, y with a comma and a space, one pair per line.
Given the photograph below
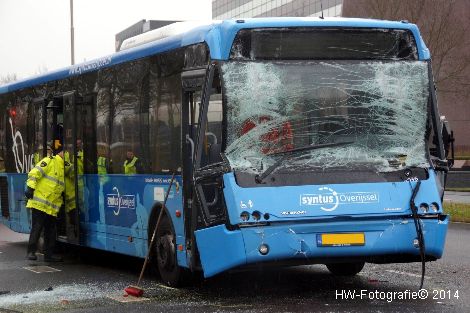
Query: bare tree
8, 78
444, 28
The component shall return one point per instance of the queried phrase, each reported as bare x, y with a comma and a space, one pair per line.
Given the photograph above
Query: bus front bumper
385, 240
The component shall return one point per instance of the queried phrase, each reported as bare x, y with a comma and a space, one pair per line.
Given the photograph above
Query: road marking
407, 274
39, 269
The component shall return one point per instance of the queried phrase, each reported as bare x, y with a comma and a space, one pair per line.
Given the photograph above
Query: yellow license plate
340, 240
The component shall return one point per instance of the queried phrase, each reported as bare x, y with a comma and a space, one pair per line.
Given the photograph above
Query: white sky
35, 34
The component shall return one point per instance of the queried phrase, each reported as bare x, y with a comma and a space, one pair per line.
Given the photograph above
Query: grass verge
459, 212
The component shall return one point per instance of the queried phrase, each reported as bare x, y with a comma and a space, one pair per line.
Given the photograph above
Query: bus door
202, 131
45, 117
192, 82
209, 165
80, 151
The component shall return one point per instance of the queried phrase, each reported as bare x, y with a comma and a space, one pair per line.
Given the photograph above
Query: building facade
227, 9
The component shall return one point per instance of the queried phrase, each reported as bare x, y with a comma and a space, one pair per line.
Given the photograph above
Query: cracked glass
349, 115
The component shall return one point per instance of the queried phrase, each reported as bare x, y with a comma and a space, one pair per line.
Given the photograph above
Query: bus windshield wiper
259, 178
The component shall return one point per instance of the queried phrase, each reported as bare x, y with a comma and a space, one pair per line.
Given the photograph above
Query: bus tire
345, 269
165, 252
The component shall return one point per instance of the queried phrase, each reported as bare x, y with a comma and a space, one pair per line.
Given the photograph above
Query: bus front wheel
165, 245
345, 269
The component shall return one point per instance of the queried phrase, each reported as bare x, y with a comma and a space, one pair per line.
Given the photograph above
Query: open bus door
202, 173
192, 83
48, 131
79, 142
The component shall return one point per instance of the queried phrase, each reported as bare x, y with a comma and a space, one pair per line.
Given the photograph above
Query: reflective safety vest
47, 180
129, 167
80, 162
102, 165
38, 157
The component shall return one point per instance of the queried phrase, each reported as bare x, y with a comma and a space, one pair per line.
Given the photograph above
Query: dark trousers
40, 221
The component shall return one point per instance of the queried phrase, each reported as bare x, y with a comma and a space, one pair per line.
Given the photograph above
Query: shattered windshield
358, 114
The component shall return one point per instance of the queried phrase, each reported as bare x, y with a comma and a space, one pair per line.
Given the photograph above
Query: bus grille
4, 203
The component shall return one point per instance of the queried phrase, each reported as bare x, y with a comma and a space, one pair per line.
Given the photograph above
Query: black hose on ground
419, 231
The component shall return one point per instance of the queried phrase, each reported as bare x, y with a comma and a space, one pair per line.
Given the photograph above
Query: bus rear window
323, 44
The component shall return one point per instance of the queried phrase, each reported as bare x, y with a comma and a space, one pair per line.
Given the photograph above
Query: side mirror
448, 141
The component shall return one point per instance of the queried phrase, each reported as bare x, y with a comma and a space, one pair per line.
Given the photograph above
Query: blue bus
292, 140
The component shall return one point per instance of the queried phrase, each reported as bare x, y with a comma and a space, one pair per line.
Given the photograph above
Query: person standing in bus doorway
132, 164
79, 161
45, 187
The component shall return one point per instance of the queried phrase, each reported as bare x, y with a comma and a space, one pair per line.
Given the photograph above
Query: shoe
53, 258
31, 256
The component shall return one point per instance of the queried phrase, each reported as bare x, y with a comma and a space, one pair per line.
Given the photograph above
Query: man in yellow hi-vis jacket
45, 187
132, 164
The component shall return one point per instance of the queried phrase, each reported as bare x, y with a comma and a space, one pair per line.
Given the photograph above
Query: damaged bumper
388, 239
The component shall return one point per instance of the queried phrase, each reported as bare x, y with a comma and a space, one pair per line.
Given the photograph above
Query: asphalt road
86, 283
457, 196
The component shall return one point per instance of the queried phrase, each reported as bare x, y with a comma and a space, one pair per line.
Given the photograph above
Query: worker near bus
45, 187
79, 161
70, 192
103, 165
132, 164
70, 203
79, 157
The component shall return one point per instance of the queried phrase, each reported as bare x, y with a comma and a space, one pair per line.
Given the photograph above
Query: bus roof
219, 37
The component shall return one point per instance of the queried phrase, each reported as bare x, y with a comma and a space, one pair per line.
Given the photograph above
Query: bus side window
213, 133
213, 138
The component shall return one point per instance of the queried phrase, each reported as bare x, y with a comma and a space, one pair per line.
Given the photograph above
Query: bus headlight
424, 207
263, 249
245, 216
256, 215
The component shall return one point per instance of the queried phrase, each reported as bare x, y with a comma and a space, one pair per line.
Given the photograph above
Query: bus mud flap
220, 249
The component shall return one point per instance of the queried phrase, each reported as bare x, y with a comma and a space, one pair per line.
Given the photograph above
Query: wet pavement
91, 281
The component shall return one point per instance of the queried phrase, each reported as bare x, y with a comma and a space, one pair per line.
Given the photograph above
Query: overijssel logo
119, 202
329, 200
